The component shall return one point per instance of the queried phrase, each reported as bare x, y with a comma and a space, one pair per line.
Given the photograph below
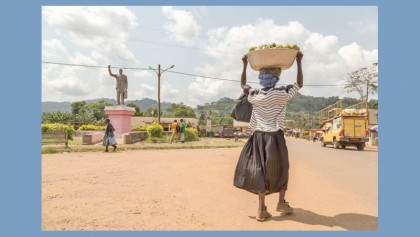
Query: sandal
262, 214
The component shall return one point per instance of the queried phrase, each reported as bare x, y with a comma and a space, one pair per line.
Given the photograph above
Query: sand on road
193, 190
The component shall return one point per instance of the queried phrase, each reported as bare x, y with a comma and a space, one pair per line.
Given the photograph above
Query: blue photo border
21, 153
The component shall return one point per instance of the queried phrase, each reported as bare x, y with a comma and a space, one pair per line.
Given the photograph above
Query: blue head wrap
268, 80
269, 77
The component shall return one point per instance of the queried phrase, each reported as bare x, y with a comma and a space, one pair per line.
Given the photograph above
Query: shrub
191, 135
45, 127
155, 130
140, 128
58, 127
202, 133
91, 127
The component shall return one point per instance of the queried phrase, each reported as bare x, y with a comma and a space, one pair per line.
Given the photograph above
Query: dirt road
192, 190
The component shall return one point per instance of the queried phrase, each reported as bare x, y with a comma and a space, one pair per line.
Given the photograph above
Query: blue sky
198, 40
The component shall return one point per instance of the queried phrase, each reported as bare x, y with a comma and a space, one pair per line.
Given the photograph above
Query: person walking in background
176, 129
182, 131
109, 138
263, 165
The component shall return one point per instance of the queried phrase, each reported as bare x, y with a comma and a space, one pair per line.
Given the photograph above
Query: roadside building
241, 125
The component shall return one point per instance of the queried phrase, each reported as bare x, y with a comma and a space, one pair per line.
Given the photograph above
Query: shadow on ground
348, 221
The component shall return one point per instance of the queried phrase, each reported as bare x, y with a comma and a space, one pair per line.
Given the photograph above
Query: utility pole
367, 90
159, 74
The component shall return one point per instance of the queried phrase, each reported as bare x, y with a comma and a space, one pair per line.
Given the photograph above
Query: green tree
77, 106
181, 110
214, 117
56, 117
136, 107
364, 81
97, 109
152, 112
373, 104
85, 117
202, 118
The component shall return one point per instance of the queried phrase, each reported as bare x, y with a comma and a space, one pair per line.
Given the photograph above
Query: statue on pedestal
122, 84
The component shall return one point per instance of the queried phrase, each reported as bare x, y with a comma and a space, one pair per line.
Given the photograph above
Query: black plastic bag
243, 109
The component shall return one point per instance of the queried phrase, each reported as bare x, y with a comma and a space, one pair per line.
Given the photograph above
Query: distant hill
311, 104
144, 104
222, 107
299, 103
49, 107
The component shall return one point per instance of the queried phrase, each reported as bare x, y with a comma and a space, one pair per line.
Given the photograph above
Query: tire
343, 146
360, 147
323, 143
336, 145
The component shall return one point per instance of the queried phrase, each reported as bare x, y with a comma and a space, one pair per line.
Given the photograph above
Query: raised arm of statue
110, 73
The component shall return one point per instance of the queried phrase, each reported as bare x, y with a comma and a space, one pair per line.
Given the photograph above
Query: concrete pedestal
120, 116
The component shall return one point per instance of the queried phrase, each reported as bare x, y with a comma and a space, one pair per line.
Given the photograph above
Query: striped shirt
269, 107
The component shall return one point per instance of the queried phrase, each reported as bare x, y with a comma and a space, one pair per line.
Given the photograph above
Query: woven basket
272, 58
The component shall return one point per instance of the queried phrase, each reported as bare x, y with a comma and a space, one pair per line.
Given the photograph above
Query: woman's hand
243, 76
299, 80
245, 60
299, 57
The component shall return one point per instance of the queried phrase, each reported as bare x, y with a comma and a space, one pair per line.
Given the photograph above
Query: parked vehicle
228, 132
345, 127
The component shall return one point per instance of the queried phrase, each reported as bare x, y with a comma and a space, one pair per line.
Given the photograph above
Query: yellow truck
345, 127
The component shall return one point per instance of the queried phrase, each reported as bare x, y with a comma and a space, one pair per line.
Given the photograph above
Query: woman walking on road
263, 165
109, 138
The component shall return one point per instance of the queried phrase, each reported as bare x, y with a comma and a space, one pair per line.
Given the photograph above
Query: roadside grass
162, 144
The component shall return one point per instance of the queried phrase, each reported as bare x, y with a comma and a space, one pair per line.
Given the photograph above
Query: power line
93, 66
175, 72
224, 79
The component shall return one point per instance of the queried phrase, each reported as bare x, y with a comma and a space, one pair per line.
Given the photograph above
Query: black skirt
263, 165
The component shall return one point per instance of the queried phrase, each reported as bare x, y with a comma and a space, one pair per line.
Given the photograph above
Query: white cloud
99, 35
54, 50
101, 29
203, 90
70, 86
325, 61
181, 25
81, 59
170, 93
321, 45
142, 74
356, 57
145, 91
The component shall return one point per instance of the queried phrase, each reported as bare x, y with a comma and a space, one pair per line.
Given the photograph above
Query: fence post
66, 141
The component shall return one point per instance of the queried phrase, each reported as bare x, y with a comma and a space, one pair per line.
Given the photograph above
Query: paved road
346, 180
192, 190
